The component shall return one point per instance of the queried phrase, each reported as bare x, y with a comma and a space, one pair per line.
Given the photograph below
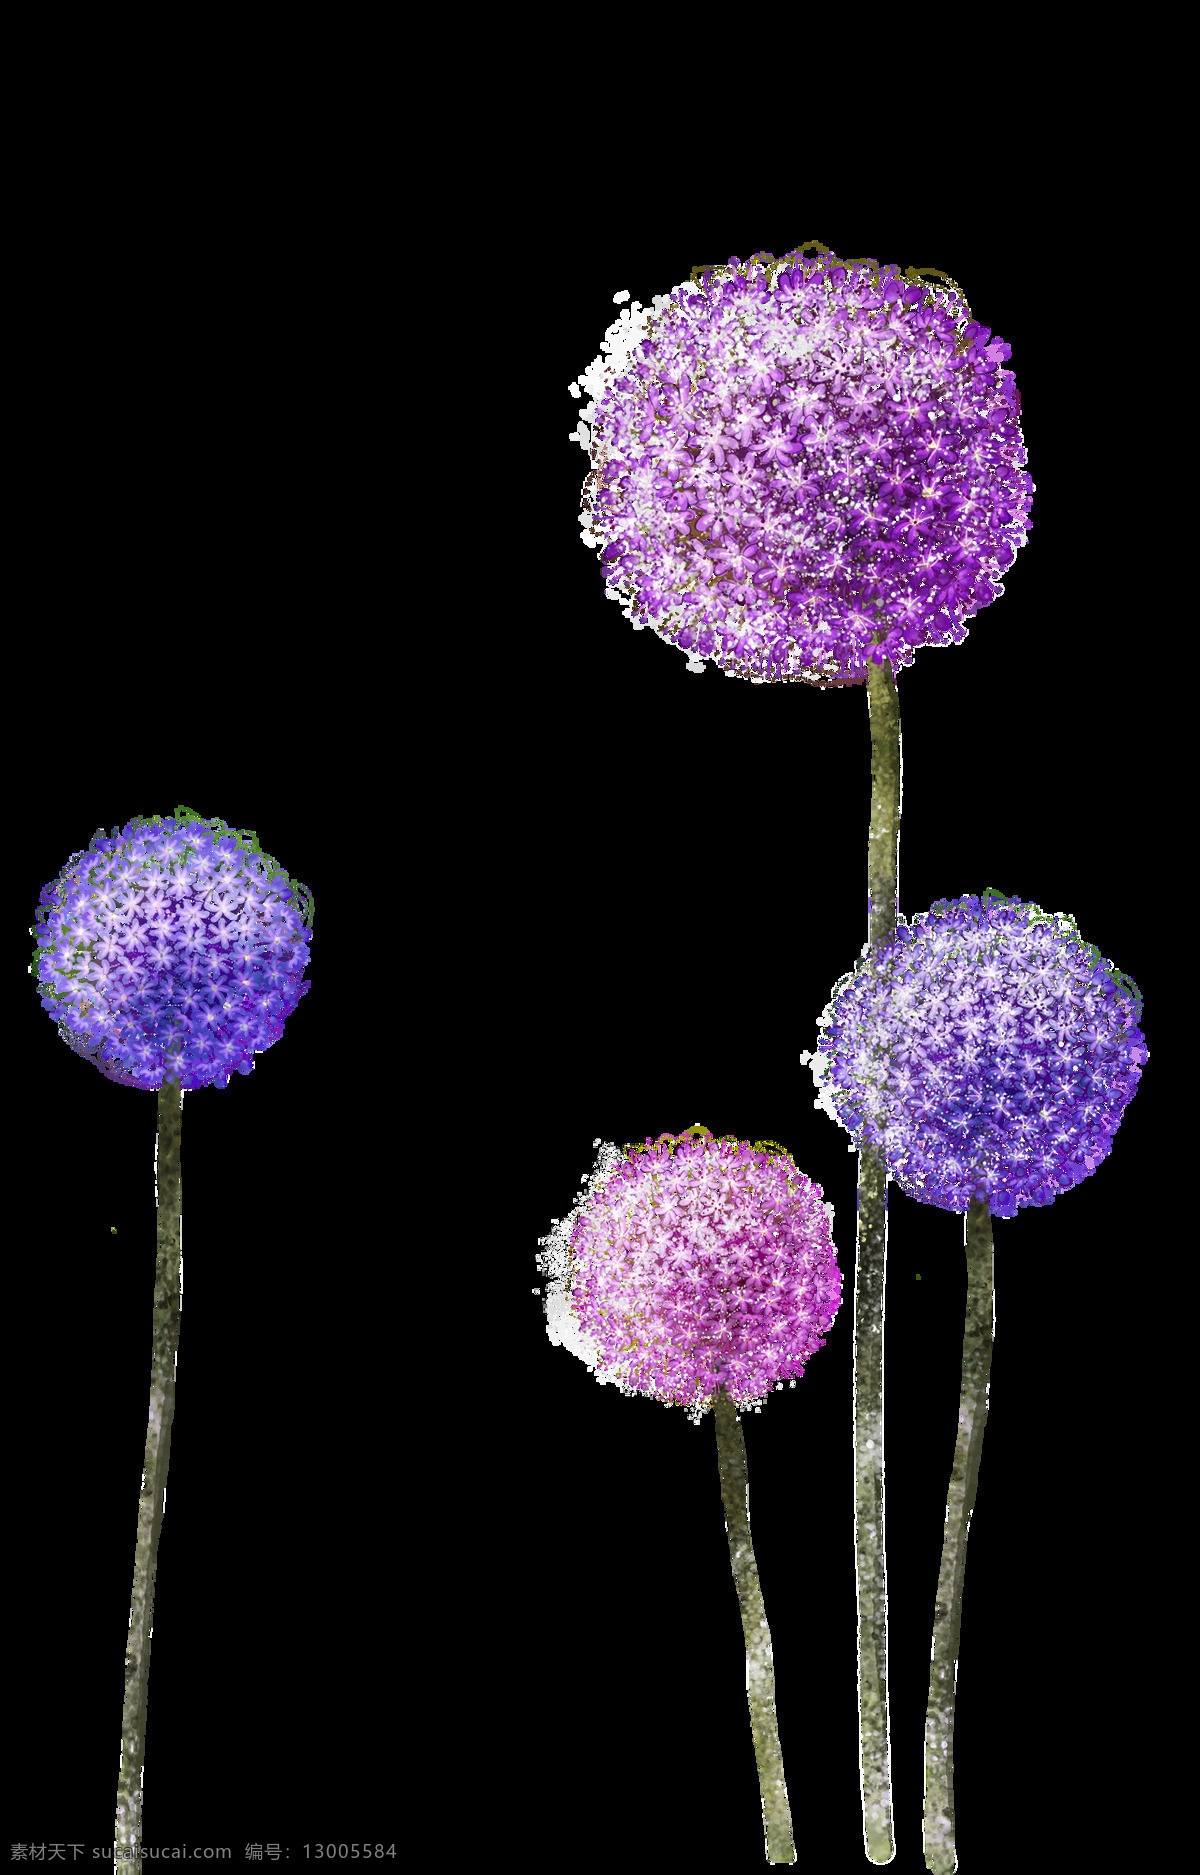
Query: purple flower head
797, 463
174, 941
691, 1261
986, 1050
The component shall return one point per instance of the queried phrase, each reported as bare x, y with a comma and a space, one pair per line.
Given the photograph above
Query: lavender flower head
794, 467
691, 1261
175, 940
986, 1050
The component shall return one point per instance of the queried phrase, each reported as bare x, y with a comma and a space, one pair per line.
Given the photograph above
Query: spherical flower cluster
986, 1050
794, 466
690, 1262
176, 941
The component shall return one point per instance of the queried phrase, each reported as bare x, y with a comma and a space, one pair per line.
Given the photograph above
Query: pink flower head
176, 941
801, 466
691, 1261
987, 1050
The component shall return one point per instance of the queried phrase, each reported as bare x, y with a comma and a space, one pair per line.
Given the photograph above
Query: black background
298, 545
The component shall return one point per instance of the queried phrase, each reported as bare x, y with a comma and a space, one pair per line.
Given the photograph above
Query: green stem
979, 1330
168, 1300
883, 836
874, 1730
760, 1667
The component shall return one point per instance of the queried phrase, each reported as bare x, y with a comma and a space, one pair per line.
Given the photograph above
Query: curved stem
168, 1300
760, 1667
979, 1331
870, 1270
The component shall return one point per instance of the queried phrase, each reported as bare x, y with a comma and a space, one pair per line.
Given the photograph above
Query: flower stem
874, 1729
979, 1329
168, 1299
760, 1667
870, 1558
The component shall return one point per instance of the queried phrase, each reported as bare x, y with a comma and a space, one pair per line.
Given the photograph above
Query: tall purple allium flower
170, 954
799, 461
702, 1272
989, 1054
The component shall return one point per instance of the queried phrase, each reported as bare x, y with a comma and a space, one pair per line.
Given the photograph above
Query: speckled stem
883, 837
979, 1330
760, 1666
870, 1557
168, 1300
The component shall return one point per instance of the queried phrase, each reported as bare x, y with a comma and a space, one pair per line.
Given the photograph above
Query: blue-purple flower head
175, 943
801, 466
986, 1050
690, 1262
